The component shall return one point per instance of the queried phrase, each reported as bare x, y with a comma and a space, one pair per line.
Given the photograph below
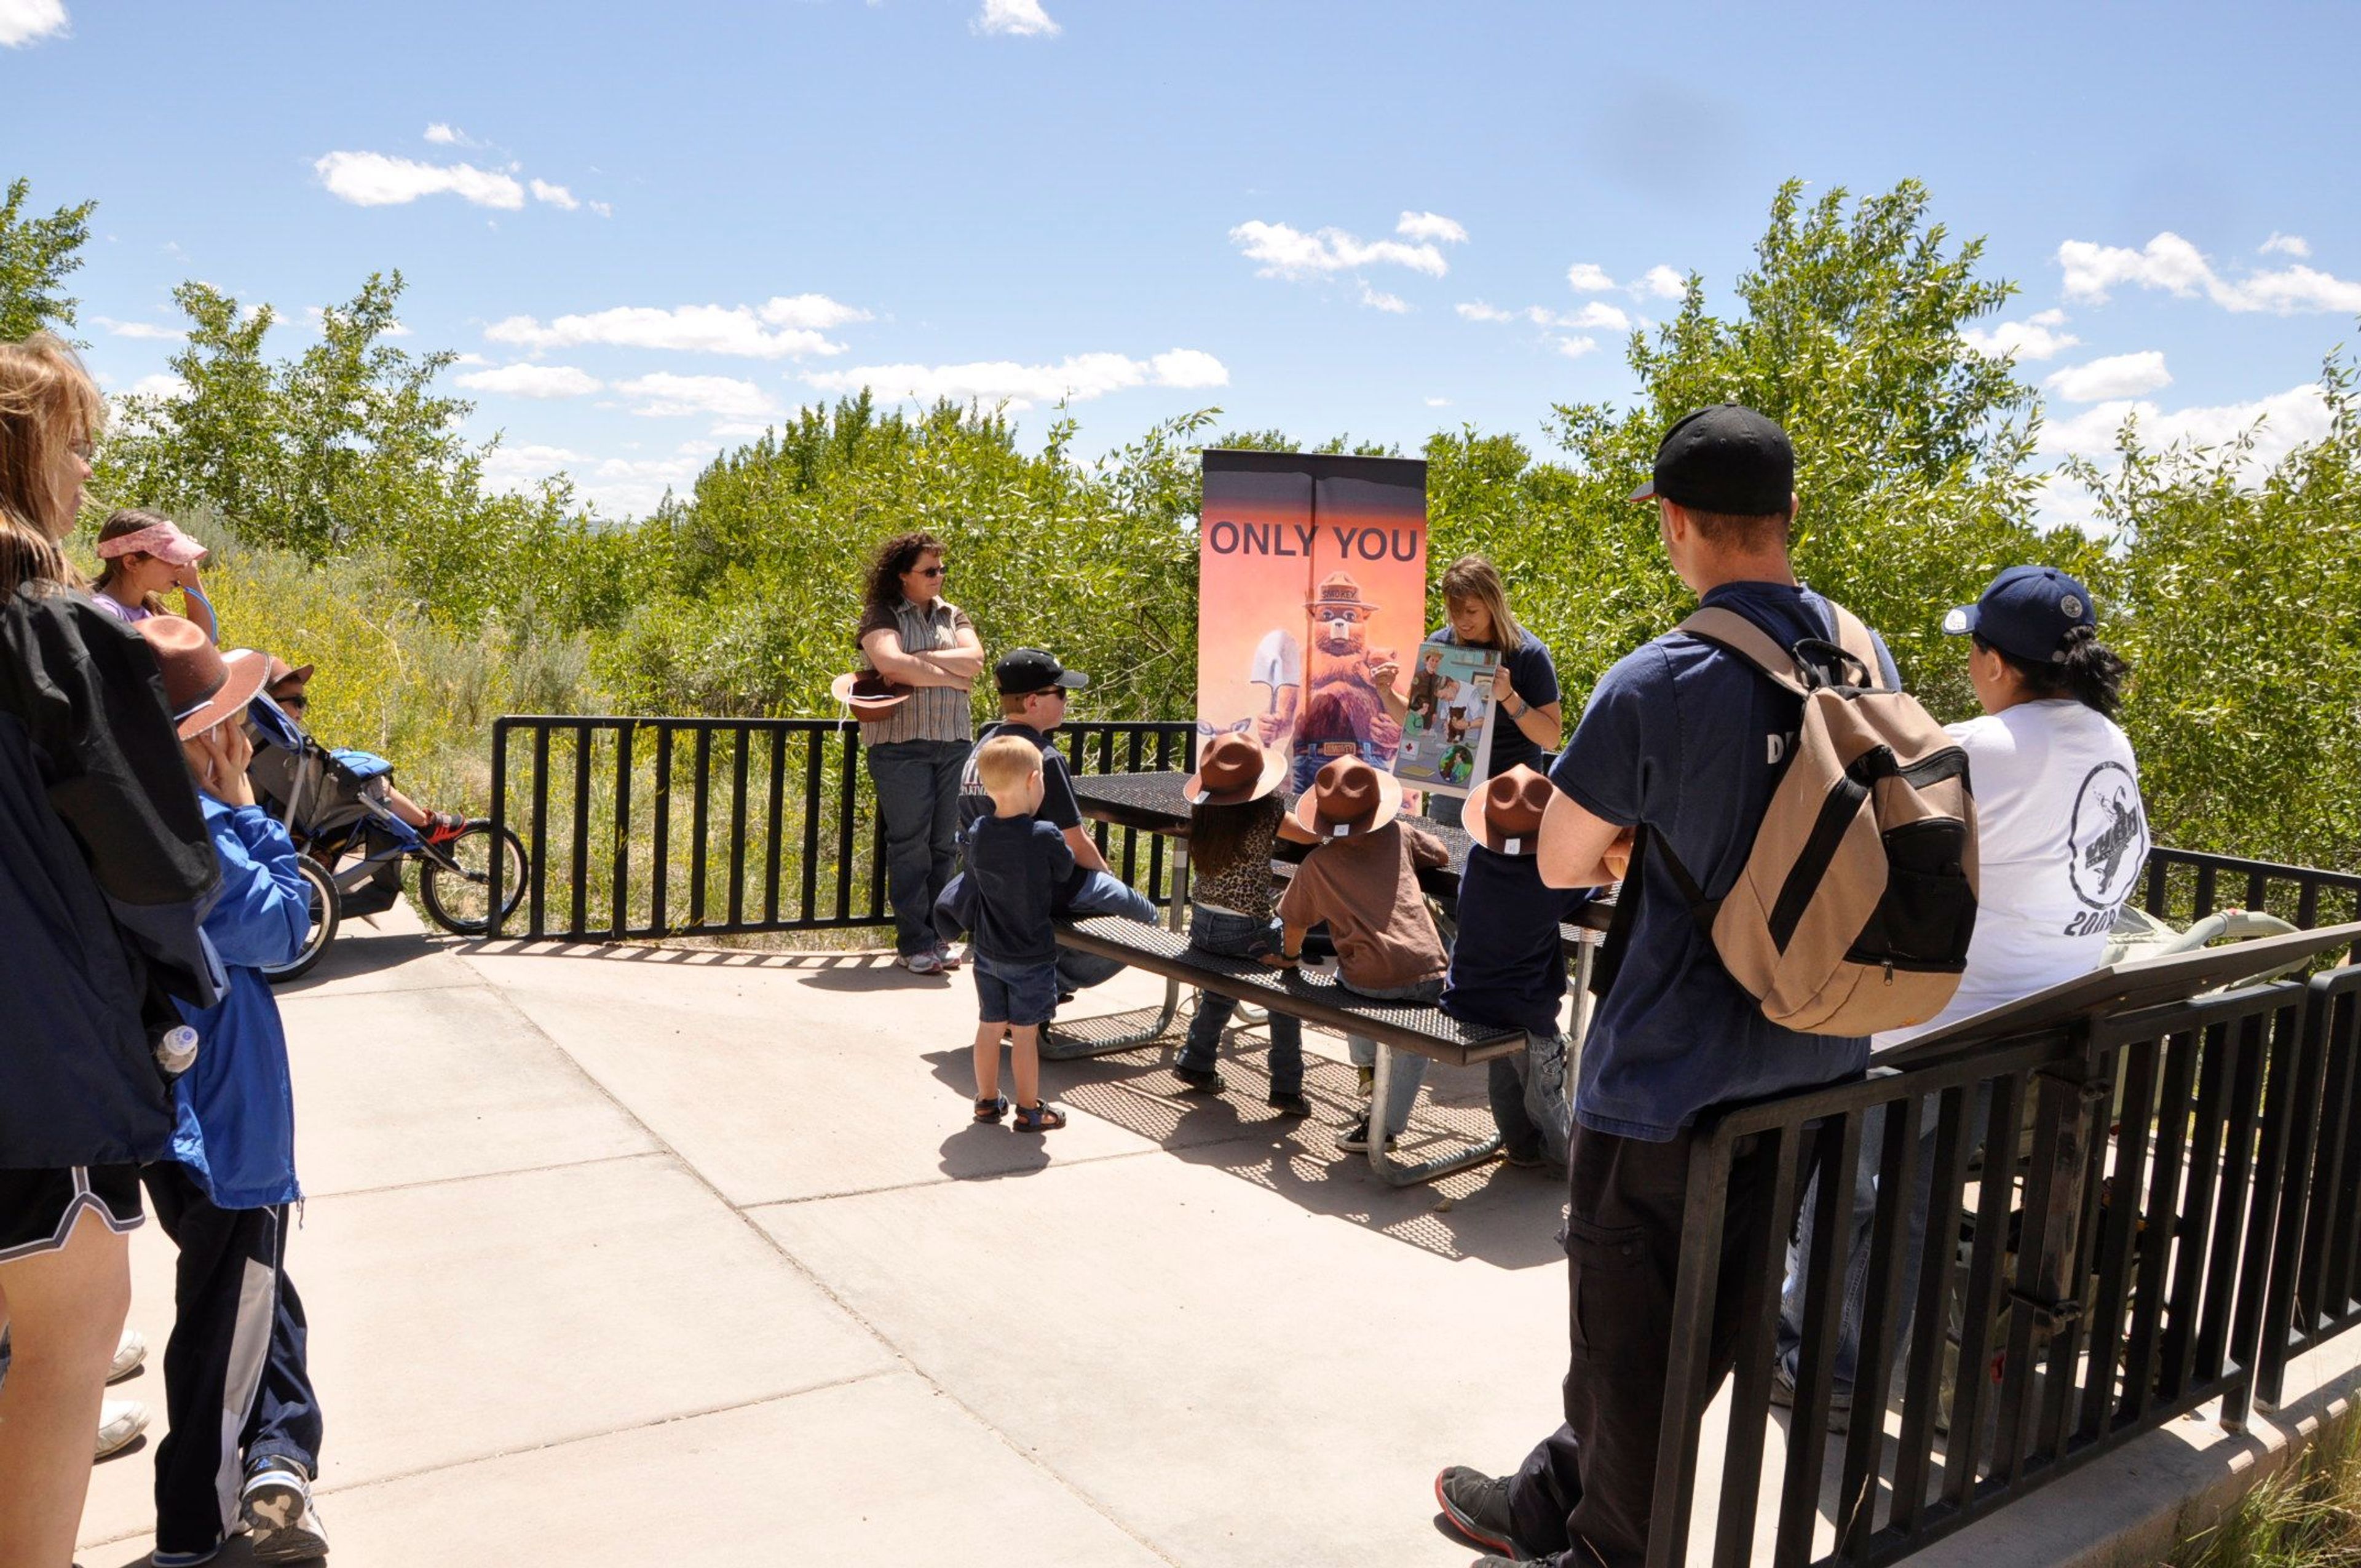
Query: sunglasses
928, 571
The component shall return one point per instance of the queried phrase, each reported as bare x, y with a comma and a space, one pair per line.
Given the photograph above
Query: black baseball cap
2025, 612
1031, 670
1727, 458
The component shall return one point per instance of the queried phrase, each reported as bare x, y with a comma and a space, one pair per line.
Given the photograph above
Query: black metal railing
2118, 1225
640, 827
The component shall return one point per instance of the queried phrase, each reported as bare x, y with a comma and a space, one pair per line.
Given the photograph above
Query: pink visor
161, 540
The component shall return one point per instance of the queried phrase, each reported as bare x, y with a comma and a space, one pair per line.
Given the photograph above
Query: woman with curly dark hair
914, 637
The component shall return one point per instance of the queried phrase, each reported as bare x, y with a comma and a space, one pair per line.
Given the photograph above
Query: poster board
1446, 745
1312, 575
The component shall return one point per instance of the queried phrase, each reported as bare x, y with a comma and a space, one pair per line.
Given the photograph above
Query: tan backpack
1859, 896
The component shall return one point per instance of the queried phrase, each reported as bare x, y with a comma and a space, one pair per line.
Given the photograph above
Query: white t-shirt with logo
2061, 839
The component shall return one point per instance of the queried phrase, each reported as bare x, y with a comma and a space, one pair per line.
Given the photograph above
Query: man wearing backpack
1683, 741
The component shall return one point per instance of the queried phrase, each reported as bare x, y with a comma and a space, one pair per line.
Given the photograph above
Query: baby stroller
353, 847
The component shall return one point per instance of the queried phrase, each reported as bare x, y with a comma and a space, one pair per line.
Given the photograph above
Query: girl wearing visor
143, 555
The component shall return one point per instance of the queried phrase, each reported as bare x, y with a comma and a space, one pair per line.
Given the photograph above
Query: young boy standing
244, 1437
1015, 865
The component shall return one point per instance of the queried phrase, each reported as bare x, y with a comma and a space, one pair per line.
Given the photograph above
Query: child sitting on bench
1016, 863
1235, 814
1507, 968
1363, 881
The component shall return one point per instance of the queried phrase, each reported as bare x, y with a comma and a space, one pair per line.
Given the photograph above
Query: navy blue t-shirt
1690, 740
1507, 968
1015, 866
1533, 675
1059, 806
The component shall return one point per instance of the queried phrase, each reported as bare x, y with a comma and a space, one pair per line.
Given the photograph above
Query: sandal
993, 1108
1038, 1118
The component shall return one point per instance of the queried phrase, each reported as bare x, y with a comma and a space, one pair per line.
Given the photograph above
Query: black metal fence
2073, 1237
650, 827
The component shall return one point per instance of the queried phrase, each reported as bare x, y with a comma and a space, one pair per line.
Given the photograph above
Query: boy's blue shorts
1015, 993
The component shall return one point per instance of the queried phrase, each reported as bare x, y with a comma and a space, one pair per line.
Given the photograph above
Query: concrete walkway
648, 1256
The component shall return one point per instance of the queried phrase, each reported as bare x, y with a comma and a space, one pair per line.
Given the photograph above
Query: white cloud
1659, 281
740, 429
603, 209
1594, 316
2036, 337
1431, 226
1438, 402
2297, 415
470, 359
1477, 311
2285, 244
1286, 252
1017, 19
2171, 263
147, 332
443, 135
556, 196
1076, 378
30, 21
1575, 347
1599, 315
788, 327
623, 486
1378, 299
2116, 375
375, 179
163, 384
534, 381
665, 394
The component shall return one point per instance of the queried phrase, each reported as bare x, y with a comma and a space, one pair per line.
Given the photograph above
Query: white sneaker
129, 1351
120, 1423
920, 963
276, 1509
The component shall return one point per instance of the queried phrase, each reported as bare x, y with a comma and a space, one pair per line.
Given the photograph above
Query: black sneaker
1526, 1159
1293, 1106
1355, 1138
1203, 1080
1478, 1506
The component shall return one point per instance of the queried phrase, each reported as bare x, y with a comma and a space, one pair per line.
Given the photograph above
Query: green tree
35, 255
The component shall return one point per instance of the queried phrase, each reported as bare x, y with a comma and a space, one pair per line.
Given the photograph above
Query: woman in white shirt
2061, 841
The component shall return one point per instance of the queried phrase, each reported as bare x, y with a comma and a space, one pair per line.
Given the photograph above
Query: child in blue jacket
234, 1368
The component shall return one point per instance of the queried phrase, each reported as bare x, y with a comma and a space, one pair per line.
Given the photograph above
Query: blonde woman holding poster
1476, 606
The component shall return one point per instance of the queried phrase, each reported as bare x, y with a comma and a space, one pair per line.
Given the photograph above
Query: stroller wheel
327, 910
461, 902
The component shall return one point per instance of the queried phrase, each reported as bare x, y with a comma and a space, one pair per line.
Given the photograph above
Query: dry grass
2308, 1515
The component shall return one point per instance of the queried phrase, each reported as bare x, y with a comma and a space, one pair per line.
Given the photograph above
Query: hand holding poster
1446, 744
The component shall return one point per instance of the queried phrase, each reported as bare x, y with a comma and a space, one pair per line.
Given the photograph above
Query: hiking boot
1478, 1506
1782, 1393
120, 1423
281, 1521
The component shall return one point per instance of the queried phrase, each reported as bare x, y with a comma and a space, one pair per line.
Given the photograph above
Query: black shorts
38, 1208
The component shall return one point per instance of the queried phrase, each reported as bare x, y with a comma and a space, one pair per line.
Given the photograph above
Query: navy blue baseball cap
2025, 612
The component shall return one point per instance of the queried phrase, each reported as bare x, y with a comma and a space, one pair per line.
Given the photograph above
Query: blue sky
650, 228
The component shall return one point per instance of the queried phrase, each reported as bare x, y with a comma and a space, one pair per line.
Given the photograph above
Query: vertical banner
1312, 576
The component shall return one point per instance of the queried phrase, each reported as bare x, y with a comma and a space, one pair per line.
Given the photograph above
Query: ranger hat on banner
2025, 612
1026, 669
1728, 459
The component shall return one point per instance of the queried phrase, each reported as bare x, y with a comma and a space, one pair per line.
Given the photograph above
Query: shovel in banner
1277, 662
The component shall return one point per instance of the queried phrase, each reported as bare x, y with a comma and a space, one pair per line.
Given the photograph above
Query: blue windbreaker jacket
235, 1108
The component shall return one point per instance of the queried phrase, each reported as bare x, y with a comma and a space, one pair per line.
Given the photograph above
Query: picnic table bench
1153, 803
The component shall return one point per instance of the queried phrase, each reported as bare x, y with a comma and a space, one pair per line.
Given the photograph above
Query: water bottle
176, 1049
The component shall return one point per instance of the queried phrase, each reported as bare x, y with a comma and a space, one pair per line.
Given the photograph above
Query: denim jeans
1528, 1094
1409, 1070
1855, 1278
917, 784
1102, 893
1234, 935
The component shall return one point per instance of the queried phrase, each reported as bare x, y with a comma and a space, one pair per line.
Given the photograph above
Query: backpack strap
1702, 910
1727, 629
1855, 639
